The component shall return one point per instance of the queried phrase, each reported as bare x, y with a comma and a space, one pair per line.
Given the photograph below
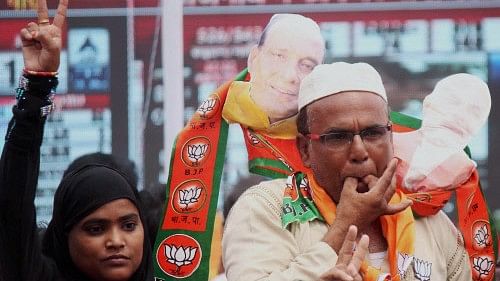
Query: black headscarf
80, 193
122, 164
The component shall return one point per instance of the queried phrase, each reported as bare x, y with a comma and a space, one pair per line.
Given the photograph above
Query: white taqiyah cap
338, 77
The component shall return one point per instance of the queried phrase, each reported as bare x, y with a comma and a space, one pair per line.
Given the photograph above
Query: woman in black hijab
80, 194
96, 232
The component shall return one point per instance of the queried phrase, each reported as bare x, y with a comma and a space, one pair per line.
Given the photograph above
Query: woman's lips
116, 260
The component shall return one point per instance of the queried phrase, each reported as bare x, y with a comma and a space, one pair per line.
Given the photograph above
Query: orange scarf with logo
474, 220
398, 229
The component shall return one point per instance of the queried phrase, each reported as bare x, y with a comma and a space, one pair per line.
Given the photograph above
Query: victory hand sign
42, 41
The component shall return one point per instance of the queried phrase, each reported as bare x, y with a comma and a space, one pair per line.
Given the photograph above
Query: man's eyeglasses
343, 139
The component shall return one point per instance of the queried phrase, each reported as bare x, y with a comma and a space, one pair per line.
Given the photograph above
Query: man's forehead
301, 40
298, 26
287, 23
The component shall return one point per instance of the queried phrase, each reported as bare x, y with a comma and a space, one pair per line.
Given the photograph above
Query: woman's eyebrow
95, 221
129, 217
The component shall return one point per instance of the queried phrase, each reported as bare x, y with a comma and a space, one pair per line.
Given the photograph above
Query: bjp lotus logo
481, 234
209, 107
179, 255
404, 261
189, 196
195, 151
423, 269
482, 267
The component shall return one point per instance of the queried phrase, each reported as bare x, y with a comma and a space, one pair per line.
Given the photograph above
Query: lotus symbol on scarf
207, 106
482, 236
482, 265
179, 256
422, 270
404, 261
189, 196
196, 152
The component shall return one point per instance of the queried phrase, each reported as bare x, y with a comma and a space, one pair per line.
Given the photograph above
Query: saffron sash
474, 220
304, 200
183, 242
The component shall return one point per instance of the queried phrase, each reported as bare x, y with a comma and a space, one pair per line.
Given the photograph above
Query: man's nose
291, 73
358, 152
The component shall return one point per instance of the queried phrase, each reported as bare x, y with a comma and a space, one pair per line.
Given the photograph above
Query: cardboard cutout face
444, 109
291, 46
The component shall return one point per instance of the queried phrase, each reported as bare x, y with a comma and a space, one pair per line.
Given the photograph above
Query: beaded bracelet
40, 73
39, 86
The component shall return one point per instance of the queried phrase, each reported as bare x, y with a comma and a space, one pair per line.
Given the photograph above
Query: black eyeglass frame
351, 135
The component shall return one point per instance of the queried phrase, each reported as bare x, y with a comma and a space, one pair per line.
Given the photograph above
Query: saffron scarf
474, 219
305, 200
271, 148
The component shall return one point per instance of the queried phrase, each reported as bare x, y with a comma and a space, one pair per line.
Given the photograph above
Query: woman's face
107, 245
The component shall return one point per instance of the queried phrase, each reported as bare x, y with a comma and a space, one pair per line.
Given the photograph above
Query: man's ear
251, 57
303, 144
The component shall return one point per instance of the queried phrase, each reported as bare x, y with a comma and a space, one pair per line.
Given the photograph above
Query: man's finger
358, 278
370, 180
350, 184
352, 271
360, 254
384, 182
60, 16
391, 189
398, 207
345, 252
336, 274
42, 11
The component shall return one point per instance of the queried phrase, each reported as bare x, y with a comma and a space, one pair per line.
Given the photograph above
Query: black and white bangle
42, 87
38, 85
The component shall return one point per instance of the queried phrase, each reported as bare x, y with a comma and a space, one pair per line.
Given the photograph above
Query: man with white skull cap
295, 229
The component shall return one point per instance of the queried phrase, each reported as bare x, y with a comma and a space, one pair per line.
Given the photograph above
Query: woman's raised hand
42, 41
